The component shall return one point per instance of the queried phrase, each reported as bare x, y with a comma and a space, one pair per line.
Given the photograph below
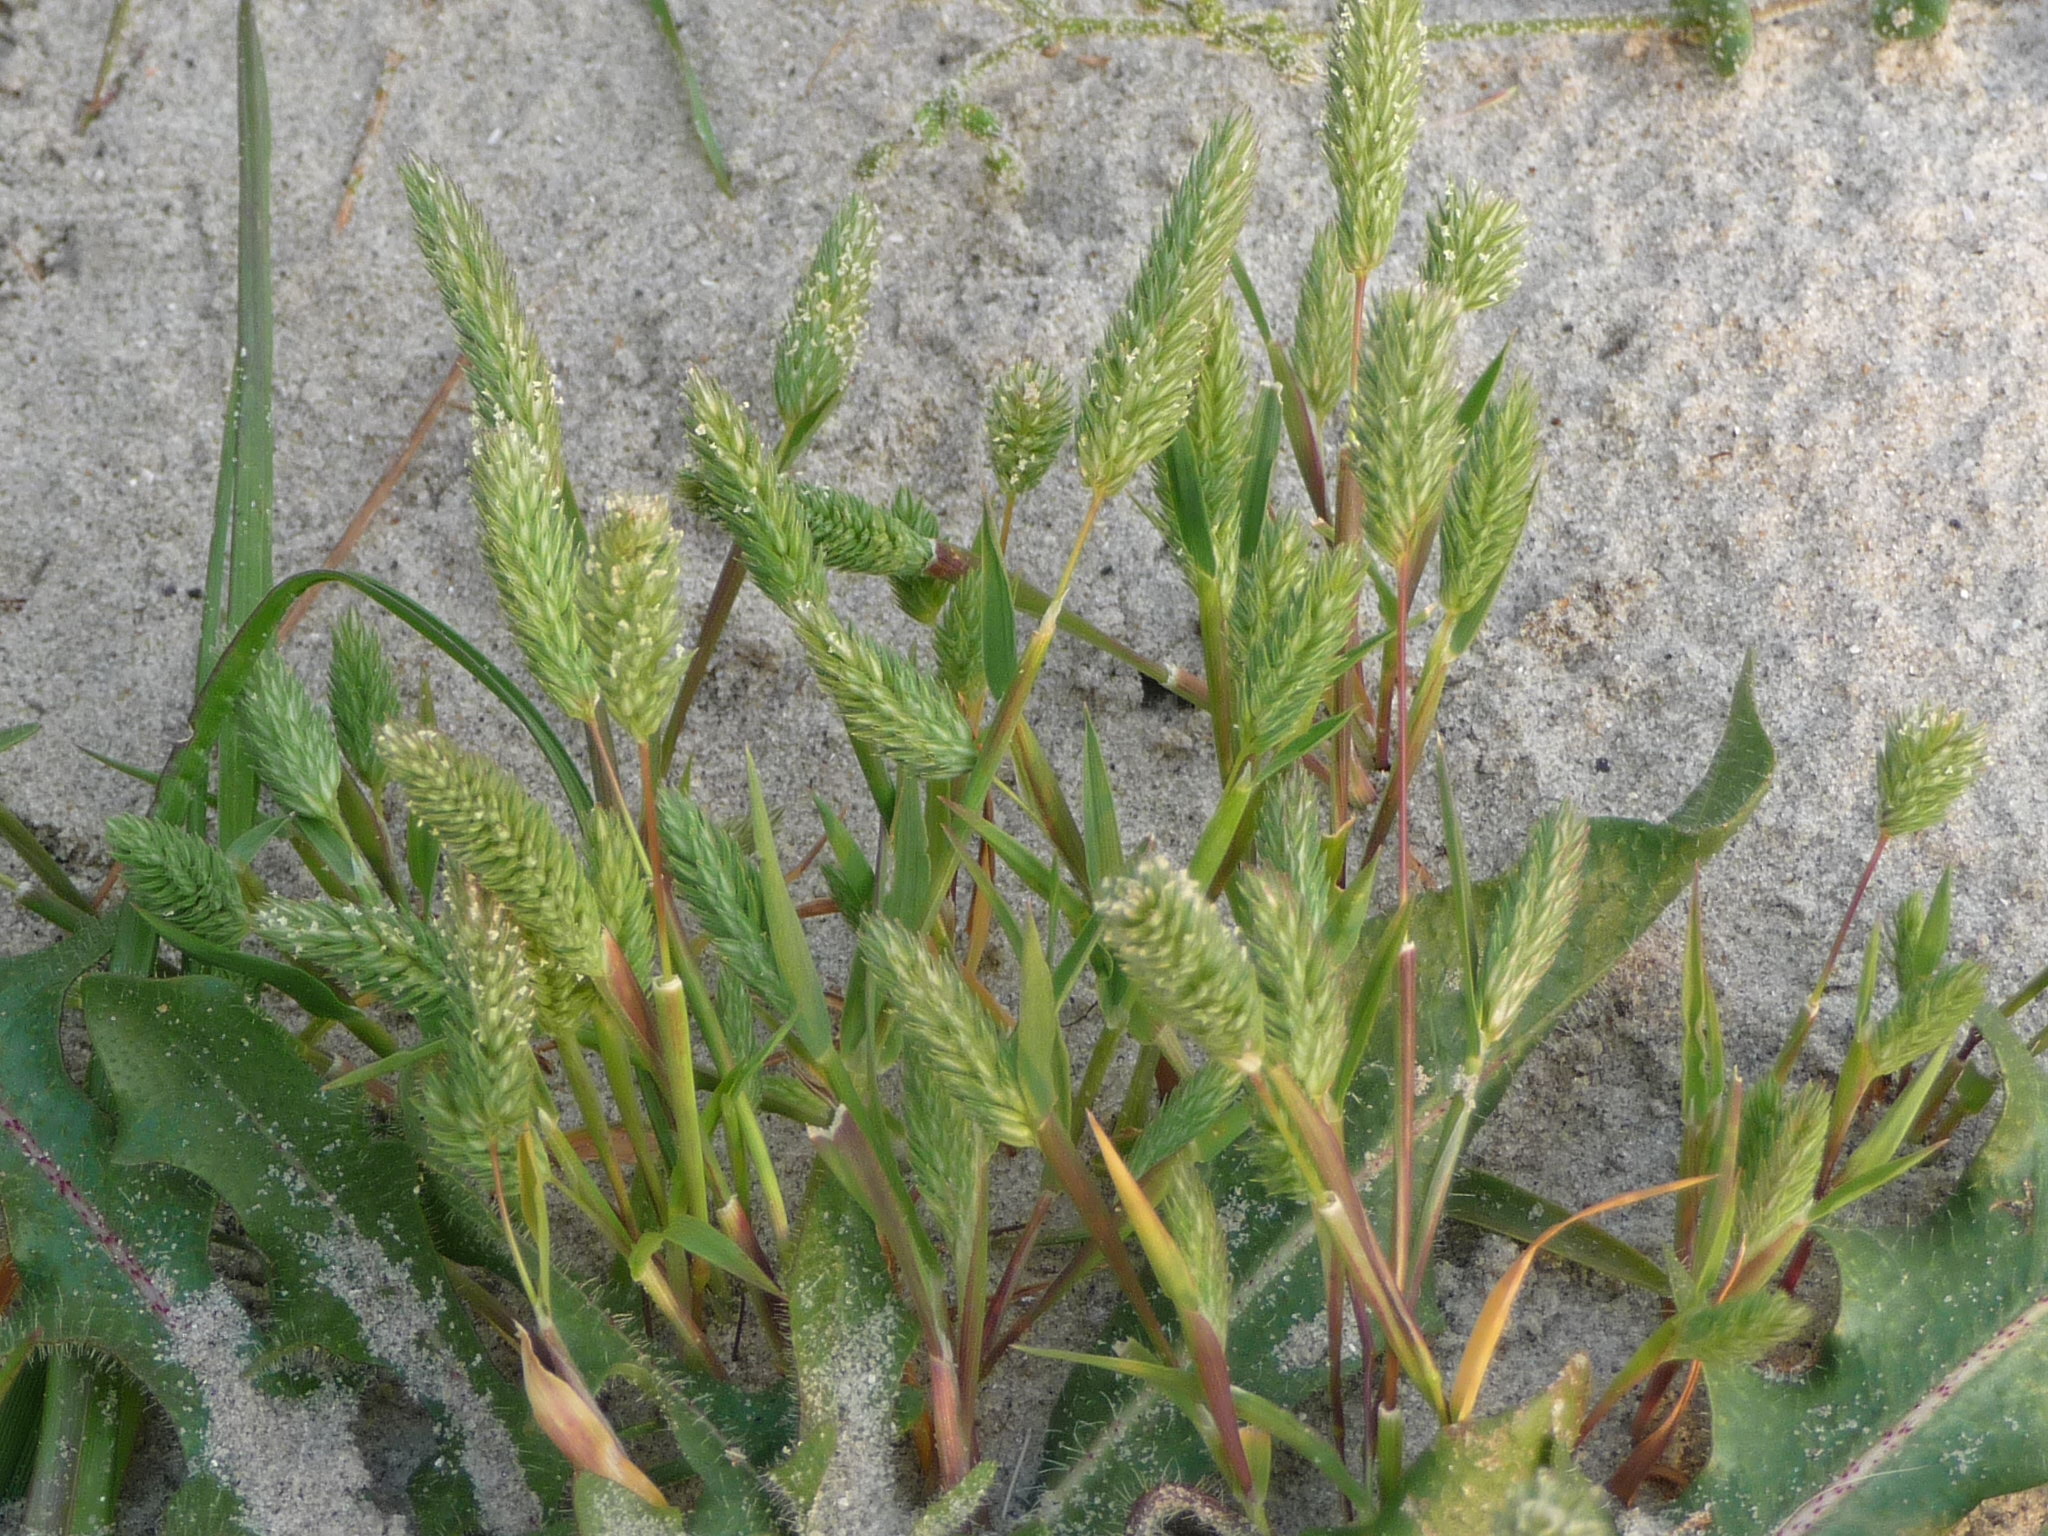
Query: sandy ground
1789, 332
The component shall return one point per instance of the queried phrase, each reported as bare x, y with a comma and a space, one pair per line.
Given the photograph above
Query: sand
1788, 330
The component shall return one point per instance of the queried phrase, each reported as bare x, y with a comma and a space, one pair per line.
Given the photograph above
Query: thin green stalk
1215, 625
1100, 1059
672, 1014
1795, 1044
1429, 692
103, 92
724, 593
583, 1088
612, 1030
700, 111
1404, 1084
1064, 1160
971, 1288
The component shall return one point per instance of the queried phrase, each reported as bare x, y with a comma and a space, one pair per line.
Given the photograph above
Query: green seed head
1298, 979
1030, 418
1291, 629
1930, 758
502, 836
957, 637
1321, 353
1491, 495
717, 882
362, 693
853, 534
1739, 1331
1533, 919
1371, 108
886, 702
1477, 242
1190, 1217
487, 1091
917, 593
180, 877
1288, 839
382, 952
1783, 1139
962, 1050
1926, 1018
735, 482
1404, 430
821, 339
632, 614
1191, 973
619, 872
533, 553
294, 746
947, 1152
513, 385
1142, 377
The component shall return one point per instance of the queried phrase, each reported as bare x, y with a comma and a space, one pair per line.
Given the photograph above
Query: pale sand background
1790, 327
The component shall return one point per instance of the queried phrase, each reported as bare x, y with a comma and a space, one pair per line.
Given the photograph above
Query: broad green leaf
205, 1083
105, 1253
1931, 1394
14, 735
849, 1337
1479, 1478
1108, 1444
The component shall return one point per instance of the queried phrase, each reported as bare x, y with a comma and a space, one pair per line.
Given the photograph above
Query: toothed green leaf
204, 1083
1931, 1394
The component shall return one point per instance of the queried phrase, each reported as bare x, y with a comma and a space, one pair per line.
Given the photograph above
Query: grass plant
601, 1016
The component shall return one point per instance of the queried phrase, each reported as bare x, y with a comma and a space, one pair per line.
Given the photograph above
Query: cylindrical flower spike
944, 1023
294, 746
1931, 757
1533, 918
1371, 116
180, 877
631, 613
821, 339
1143, 374
362, 694
1030, 418
532, 552
1191, 973
1321, 353
1476, 243
505, 838
736, 482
